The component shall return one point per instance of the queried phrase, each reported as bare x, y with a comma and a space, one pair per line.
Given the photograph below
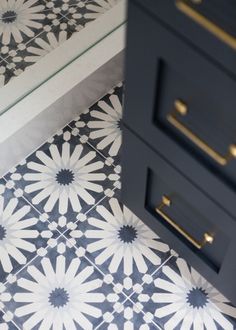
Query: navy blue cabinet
180, 116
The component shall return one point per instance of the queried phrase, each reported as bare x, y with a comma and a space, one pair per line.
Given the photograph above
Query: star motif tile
128, 316
101, 125
64, 177
6, 74
5, 322
21, 21
54, 35
119, 243
73, 257
60, 290
23, 232
179, 298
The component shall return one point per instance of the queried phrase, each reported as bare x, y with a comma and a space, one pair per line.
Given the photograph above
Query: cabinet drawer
183, 106
181, 214
209, 25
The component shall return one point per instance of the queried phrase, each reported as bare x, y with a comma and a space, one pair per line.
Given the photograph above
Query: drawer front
209, 25
183, 106
179, 213
220, 14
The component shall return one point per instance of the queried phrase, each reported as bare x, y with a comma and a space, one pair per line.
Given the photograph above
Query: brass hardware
207, 238
181, 108
207, 24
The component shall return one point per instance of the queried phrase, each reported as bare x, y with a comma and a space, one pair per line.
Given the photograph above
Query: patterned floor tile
101, 125
6, 74
119, 243
64, 4
23, 232
98, 7
30, 53
21, 21
180, 299
61, 290
5, 323
128, 317
63, 178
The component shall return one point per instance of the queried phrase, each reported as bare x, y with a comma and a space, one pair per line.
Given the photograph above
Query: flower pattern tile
64, 177
179, 298
101, 125
30, 53
21, 21
5, 322
61, 290
23, 232
129, 317
50, 22
119, 243
78, 258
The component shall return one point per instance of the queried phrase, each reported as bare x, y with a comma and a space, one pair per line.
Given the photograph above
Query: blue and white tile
98, 7
63, 178
5, 322
179, 298
21, 21
33, 51
23, 232
61, 290
100, 125
119, 244
128, 317
6, 74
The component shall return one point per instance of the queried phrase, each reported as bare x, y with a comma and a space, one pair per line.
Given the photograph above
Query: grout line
60, 17
10, 322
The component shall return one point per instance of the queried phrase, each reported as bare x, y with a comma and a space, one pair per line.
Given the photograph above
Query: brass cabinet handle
181, 108
205, 23
207, 238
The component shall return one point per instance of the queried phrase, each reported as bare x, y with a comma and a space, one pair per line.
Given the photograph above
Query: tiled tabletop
72, 256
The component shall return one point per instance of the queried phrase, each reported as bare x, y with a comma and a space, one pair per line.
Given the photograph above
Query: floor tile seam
143, 313
128, 296
92, 208
50, 222
10, 322
31, 261
34, 208
37, 35
96, 150
96, 266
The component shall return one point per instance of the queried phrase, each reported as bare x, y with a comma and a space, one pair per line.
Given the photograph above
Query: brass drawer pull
207, 24
181, 108
207, 238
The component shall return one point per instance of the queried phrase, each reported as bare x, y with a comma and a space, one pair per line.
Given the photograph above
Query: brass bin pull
206, 23
181, 108
207, 238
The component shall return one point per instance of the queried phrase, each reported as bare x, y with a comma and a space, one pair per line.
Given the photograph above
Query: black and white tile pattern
30, 29
72, 256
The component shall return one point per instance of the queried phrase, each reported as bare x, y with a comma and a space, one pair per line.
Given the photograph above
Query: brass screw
208, 238
166, 200
181, 107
